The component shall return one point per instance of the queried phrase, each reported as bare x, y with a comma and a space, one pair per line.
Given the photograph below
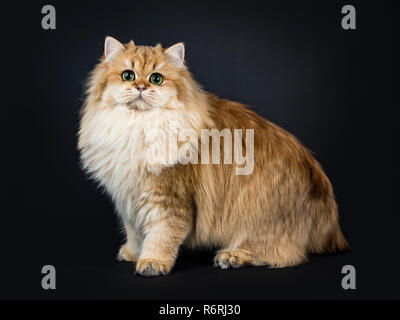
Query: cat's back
268, 137
277, 153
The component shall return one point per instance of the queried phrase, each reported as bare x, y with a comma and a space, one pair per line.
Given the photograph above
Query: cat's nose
141, 88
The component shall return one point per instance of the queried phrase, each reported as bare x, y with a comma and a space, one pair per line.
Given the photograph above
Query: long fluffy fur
275, 216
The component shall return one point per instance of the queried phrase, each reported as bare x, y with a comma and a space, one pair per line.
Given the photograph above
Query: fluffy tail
335, 241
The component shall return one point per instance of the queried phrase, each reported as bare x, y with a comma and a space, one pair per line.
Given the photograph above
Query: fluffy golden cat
274, 213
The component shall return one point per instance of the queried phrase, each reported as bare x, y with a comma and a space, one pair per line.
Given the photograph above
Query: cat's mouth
139, 103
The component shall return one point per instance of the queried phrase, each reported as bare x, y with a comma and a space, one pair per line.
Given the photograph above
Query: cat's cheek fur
167, 98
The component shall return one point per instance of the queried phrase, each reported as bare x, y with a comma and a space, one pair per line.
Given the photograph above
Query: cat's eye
156, 79
128, 75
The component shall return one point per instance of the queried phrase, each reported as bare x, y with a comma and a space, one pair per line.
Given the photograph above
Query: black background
290, 60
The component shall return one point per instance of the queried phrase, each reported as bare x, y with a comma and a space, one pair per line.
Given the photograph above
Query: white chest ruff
119, 148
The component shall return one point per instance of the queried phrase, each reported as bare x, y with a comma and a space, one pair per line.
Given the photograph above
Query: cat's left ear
176, 54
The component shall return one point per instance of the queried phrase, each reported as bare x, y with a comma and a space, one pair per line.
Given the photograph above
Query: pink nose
141, 88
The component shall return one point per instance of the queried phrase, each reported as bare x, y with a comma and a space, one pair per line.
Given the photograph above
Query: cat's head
140, 77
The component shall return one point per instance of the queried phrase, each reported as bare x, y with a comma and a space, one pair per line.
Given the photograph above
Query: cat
275, 216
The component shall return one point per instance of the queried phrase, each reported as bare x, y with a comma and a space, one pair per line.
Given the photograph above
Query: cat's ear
111, 47
176, 54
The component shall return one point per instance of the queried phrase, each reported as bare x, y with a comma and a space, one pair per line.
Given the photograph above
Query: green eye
128, 75
156, 78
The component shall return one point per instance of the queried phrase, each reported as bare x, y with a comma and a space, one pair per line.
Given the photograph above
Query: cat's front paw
126, 254
152, 267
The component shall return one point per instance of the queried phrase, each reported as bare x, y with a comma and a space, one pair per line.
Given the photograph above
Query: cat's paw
126, 254
152, 267
235, 259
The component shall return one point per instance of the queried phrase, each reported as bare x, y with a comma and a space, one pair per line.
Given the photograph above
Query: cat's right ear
111, 47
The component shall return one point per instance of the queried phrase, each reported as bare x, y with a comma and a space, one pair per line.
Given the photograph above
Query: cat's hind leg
284, 254
236, 258
275, 254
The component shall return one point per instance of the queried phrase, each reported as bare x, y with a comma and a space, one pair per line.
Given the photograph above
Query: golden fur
275, 216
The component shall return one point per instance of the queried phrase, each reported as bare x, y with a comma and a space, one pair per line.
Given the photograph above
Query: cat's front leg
161, 244
131, 249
